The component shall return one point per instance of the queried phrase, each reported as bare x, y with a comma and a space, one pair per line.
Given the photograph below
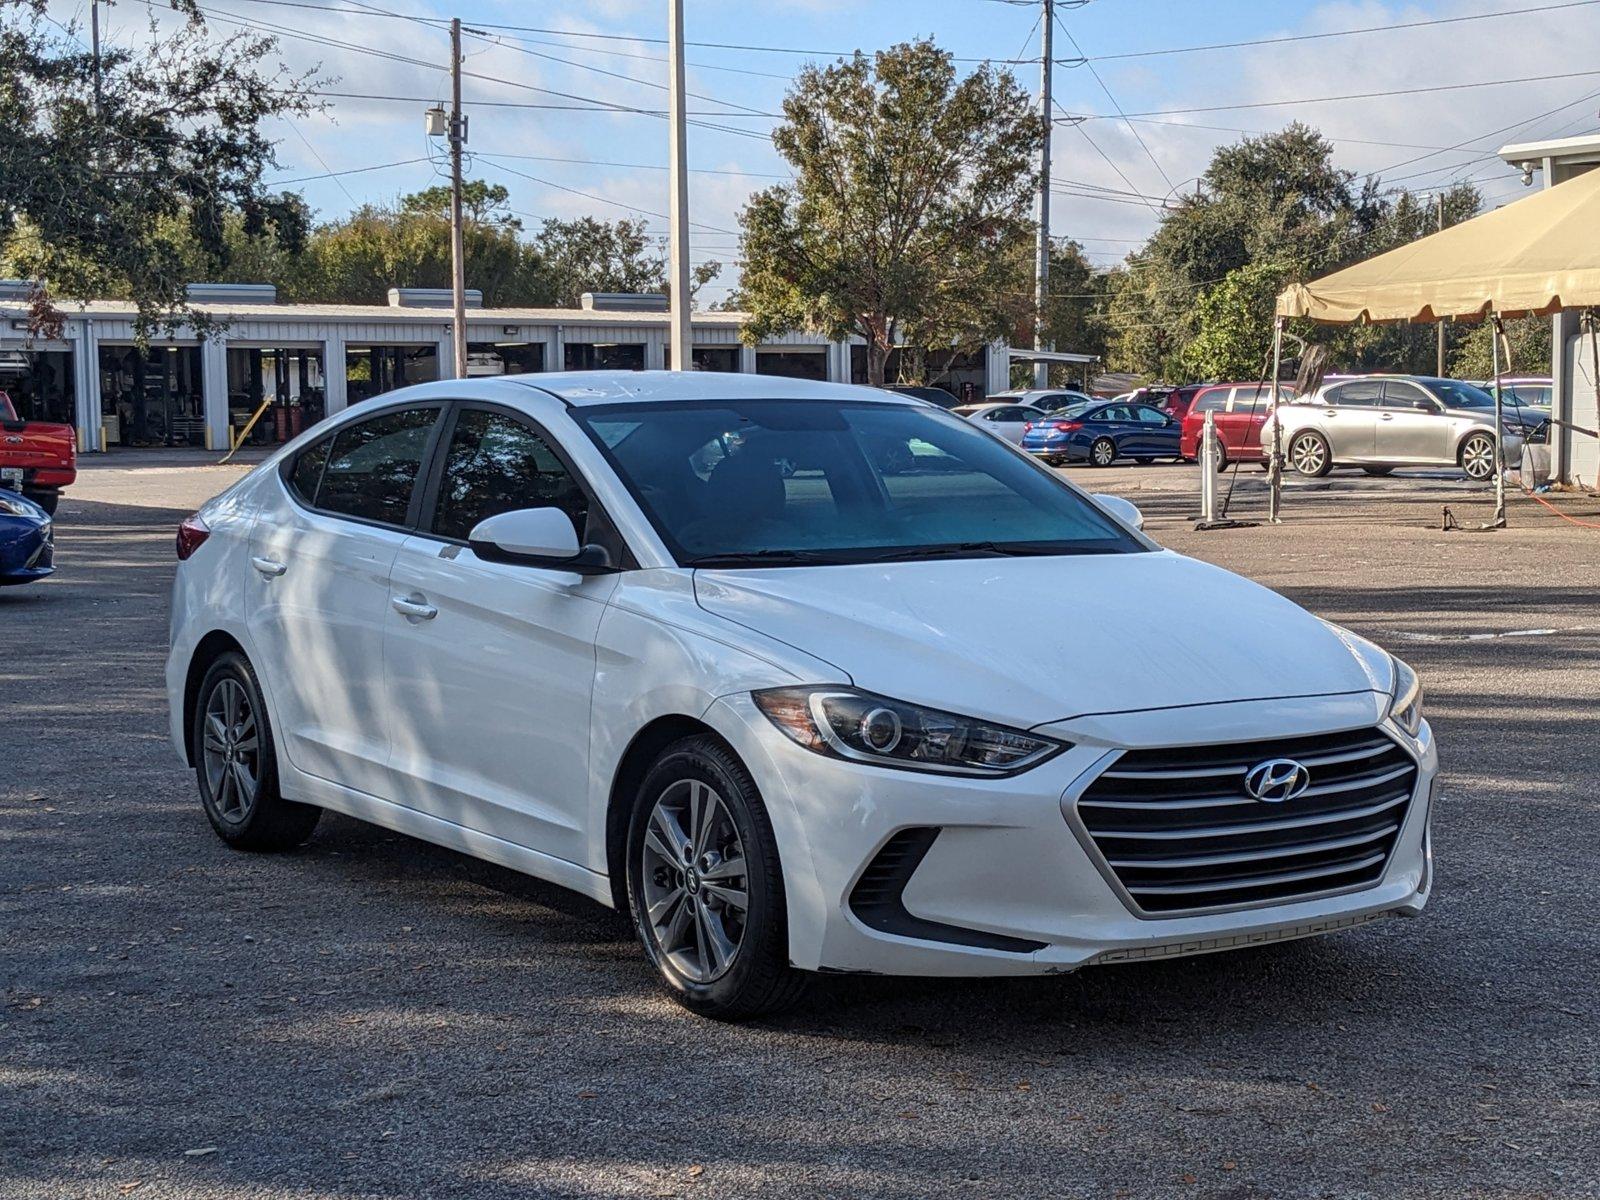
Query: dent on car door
491, 665
321, 549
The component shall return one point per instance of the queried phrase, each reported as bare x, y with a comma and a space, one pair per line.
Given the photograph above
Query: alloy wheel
1308, 456
1104, 452
694, 882
231, 749
1477, 457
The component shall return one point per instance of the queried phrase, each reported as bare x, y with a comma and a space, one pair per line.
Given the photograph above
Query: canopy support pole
1495, 334
1275, 463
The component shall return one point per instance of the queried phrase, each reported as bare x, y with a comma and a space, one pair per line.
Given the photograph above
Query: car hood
1028, 641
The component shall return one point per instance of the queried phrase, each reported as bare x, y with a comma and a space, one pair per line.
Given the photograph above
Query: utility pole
94, 34
1041, 291
682, 344
458, 254
1439, 364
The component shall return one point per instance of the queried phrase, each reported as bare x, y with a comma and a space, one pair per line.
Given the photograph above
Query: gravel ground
374, 1017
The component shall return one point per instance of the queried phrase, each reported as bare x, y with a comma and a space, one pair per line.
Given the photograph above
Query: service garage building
293, 364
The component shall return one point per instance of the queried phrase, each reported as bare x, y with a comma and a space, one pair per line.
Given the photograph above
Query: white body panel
497, 726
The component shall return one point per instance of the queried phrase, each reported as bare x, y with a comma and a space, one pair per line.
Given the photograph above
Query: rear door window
1361, 394
373, 465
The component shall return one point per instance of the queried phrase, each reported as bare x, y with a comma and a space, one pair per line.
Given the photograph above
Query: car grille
1180, 833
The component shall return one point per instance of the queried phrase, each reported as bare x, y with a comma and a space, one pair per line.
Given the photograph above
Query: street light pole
678, 206
1041, 370
458, 265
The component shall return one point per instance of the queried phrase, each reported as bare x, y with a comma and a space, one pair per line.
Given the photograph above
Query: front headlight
1406, 707
13, 508
843, 723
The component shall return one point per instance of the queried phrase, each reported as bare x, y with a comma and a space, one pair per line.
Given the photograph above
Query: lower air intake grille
1180, 832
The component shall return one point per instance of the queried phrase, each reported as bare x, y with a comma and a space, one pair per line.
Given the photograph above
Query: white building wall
86, 384
335, 393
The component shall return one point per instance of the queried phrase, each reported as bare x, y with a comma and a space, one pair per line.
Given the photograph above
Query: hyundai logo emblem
1277, 780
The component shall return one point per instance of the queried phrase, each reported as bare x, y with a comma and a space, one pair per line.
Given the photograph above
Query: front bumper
1006, 870
26, 554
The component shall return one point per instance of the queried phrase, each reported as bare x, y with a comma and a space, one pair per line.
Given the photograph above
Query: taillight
191, 534
1069, 426
1027, 425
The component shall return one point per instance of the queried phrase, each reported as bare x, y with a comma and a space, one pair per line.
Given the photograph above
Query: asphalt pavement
374, 1017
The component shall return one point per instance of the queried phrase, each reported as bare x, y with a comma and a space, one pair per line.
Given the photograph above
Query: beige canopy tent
1538, 255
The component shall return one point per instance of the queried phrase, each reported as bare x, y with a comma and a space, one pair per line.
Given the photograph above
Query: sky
1111, 174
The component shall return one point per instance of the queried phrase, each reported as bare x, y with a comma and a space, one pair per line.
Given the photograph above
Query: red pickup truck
36, 458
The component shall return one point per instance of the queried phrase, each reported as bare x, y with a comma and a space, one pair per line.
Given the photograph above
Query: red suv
1240, 411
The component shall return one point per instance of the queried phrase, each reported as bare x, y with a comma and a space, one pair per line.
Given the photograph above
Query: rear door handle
1385, 416
270, 567
419, 610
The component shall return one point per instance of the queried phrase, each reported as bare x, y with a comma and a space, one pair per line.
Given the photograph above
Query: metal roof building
275, 368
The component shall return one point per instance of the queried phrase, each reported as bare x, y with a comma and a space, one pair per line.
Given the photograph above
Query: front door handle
270, 567
1330, 412
1385, 416
418, 610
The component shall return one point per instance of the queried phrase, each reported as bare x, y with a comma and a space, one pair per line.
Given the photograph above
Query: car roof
584, 388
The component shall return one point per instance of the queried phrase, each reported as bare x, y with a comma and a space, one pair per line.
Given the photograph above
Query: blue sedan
1102, 432
27, 540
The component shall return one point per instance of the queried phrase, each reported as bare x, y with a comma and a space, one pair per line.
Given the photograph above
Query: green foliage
1530, 350
1197, 298
1233, 338
912, 192
123, 199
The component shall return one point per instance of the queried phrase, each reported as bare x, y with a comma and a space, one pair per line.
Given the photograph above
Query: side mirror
1125, 511
537, 537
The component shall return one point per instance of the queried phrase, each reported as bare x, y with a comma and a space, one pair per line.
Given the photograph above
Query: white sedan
1008, 421
742, 656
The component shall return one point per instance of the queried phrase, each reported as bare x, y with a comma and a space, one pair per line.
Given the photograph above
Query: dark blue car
27, 540
1102, 432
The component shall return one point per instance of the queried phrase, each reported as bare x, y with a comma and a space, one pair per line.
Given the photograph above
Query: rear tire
696, 814
46, 500
1309, 455
236, 763
1102, 453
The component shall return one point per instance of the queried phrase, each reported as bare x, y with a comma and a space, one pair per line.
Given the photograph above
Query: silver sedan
1003, 420
1380, 422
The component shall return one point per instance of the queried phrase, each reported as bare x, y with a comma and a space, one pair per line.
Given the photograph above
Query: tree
1197, 298
912, 191
118, 199
1234, 335
587, 255
1530, 350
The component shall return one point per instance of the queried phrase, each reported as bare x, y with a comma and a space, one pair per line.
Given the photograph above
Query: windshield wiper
766, 558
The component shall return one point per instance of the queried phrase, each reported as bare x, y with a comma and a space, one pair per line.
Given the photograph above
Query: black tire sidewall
1461, 456
766, 935
232, 665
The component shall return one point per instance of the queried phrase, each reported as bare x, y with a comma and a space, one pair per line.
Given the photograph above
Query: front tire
1102, 453
1477, 457
236, 763
705, 887
1309, 455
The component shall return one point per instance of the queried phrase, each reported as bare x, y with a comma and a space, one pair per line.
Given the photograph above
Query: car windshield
1456, 394
805, 482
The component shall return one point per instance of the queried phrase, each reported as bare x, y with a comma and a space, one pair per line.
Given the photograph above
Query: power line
1338, 33
1171, 187
592, 196
1441, 87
